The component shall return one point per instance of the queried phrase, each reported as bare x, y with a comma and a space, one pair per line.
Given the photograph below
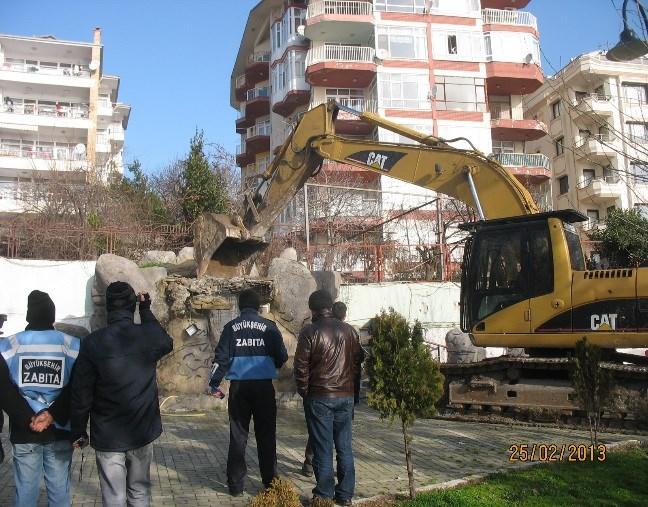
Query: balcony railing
43, 152
337, 53
52, 110
594, 97
587, 181
339, 7
51, 69
241, 148
262, 129
363, 105
259, 57
240, 81
602, 139
522, 160
255, 93
505, 17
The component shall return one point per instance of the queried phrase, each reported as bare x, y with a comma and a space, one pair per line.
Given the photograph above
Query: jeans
329, 425
125, 477
29, 463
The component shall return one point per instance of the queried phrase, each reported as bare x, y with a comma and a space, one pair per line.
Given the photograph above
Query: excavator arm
222, 243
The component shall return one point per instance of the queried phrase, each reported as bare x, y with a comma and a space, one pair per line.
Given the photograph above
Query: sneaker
307, 470
344, 503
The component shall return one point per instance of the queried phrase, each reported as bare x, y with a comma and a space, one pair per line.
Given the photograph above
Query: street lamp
630, 46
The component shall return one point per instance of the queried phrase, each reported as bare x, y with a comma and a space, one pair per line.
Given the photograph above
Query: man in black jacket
115, 386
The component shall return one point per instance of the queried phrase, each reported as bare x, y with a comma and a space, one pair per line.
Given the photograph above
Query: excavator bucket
222, 244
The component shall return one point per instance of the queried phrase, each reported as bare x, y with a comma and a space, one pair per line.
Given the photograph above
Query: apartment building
59, 112
596, 112
451, 68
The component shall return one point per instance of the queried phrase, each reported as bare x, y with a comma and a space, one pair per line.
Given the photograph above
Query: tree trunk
408, 460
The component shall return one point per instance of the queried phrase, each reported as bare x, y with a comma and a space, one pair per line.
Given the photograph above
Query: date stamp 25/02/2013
552, 453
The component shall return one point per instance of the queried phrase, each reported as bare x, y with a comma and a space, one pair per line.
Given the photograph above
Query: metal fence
35, 240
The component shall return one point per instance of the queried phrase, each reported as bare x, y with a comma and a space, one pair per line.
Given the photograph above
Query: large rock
329, 281
185, 255
293, 285
158, 257
461, 349
113, 268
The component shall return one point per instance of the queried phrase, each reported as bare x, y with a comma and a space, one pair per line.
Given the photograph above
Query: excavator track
531, 389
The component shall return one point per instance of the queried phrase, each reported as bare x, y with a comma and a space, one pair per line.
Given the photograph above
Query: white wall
67, 282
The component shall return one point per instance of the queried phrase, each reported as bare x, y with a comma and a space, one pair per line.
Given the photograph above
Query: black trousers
247, 399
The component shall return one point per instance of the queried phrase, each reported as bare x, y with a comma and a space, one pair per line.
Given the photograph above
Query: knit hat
120, 296
41, 312
249, 298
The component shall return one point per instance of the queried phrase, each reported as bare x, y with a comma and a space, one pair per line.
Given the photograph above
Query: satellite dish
382, 54
528, 58
301, 30
80, 149
94, 65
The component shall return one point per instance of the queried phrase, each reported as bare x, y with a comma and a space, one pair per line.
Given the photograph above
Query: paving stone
190, 457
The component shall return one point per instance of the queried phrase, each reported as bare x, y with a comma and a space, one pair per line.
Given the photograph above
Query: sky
175, 57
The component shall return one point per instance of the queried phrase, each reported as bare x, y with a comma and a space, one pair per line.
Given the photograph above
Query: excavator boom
223, 243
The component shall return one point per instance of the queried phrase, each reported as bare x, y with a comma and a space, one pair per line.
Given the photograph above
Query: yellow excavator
524, 279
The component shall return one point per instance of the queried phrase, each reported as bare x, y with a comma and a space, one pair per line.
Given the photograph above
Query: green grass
622, 480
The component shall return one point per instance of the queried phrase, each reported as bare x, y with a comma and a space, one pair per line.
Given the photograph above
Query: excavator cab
511, 263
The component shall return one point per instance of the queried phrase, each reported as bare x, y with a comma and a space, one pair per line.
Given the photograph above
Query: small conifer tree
405, 381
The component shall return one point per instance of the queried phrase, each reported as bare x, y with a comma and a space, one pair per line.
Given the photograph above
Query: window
642, 209
452, 44
286, 28
454, 6
635, 93
403, 42
503, 147
510, 266
513, 47
349, 97
460, 93
560, 146
404, 91
593, 216
555, 110
563, 185
500, 107
580, 96
458, 45
575, 249
638, 131
414, 6
639, 173
588, 176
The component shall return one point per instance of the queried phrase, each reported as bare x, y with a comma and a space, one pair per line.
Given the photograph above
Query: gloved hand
216, 392
144, 300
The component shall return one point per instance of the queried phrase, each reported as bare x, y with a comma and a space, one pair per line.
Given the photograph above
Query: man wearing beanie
37, 364
249, 353
115, 387
327, 363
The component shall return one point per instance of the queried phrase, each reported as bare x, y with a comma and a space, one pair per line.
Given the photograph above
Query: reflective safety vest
40, 364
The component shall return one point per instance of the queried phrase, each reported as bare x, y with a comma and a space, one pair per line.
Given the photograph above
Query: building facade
596, 112
451, 68
59, 112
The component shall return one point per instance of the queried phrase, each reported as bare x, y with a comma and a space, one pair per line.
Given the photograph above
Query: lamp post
630, 46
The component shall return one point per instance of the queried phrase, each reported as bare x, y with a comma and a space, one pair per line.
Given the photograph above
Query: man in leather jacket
327, 364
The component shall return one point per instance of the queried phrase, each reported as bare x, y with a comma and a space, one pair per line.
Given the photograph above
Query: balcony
340, 20
257, 69
257, 104
29, 71
599, 146
340, 66
292, 99
508, 18
240, 87
600, 190
512, 62
503, 4
590, 105
350, 124
257, 140
104, 107
29, 157
116, 135
528, 166
504, 127
50, 114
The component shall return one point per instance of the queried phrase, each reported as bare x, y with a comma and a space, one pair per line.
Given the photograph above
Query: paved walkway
189, 460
